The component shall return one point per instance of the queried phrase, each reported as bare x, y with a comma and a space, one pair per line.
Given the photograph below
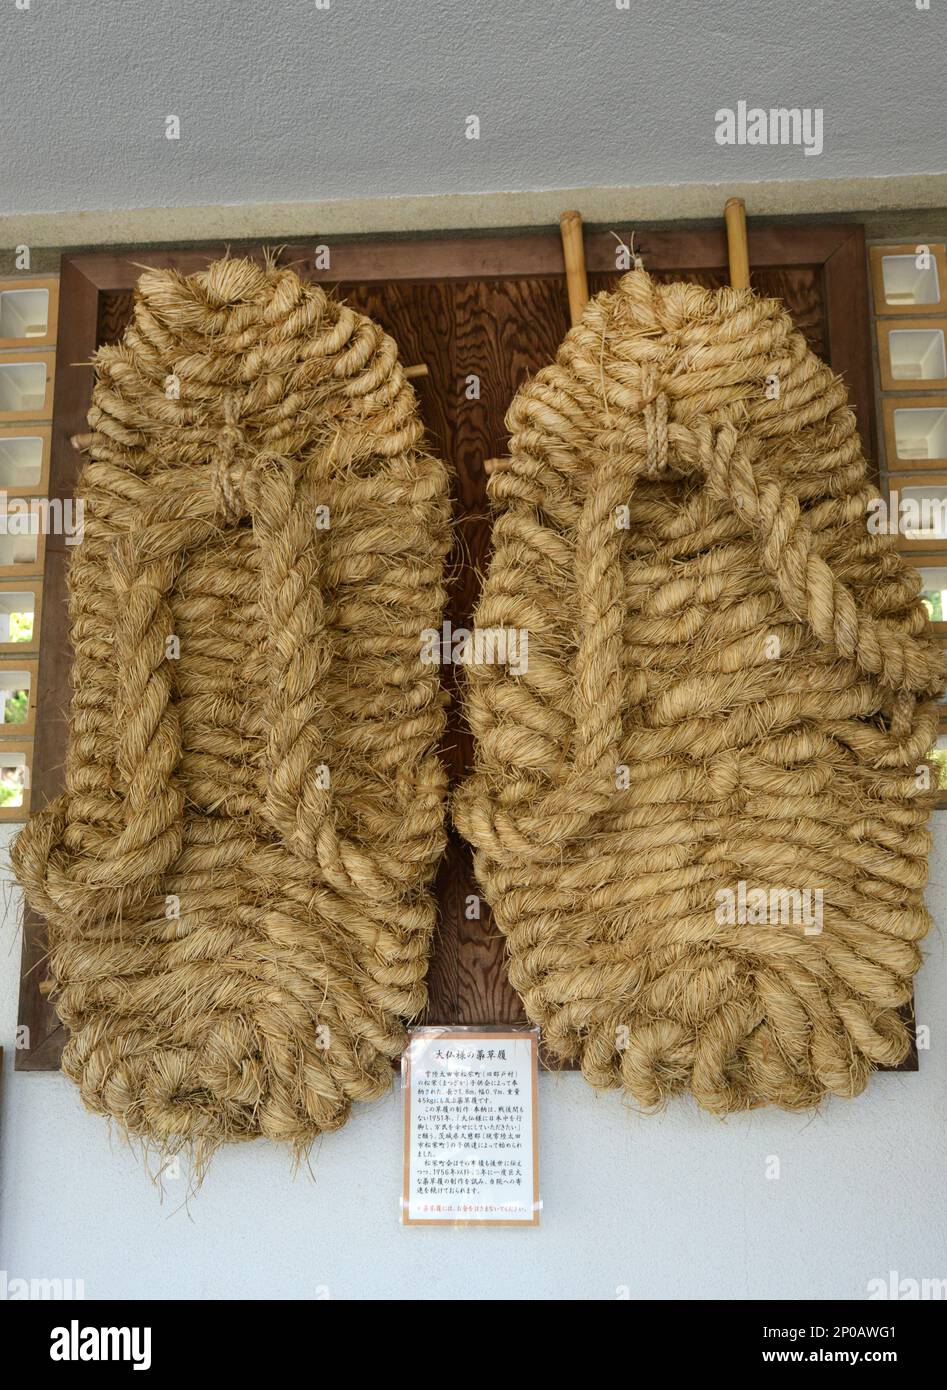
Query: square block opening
21, 461
934, 592
17, 616
905, 284
14, 778
22, 385
14, 697
924, 518
920, 434
24, 313
917, 354
939, 759
18, 550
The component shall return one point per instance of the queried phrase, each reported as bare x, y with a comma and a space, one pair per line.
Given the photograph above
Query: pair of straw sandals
702, 695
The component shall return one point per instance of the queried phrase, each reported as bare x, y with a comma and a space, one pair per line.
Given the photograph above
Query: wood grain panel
421, 319
114, 316
506, 330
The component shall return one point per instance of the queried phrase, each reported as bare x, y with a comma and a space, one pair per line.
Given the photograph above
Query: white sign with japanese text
470, 1127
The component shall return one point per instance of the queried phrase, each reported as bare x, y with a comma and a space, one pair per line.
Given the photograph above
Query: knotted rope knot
655, 410
230, 465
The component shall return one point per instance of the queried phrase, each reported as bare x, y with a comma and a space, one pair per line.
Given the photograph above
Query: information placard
471, 1152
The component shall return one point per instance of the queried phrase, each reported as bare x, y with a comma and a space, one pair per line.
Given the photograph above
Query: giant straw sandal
235, 879
729, 695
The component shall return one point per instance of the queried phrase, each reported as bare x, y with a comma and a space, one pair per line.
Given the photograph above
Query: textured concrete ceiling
279, 100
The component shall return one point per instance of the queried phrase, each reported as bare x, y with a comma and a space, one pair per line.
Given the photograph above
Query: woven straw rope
277, 996
651, 649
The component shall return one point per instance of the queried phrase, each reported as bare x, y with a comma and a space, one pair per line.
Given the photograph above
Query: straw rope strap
236, 877
729, 688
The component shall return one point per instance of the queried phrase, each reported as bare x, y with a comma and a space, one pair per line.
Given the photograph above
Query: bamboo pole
738, 251
573, 251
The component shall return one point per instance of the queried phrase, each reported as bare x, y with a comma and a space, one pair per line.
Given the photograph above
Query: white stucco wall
671, 1205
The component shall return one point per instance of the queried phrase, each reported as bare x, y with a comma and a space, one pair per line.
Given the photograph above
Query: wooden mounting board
494, 306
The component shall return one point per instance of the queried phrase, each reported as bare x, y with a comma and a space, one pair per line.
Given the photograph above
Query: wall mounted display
482, 313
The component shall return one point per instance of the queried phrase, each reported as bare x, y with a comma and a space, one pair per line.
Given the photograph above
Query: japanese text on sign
470, 1118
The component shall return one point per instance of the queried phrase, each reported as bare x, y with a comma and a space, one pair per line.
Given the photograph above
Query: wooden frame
930, 559
26, 746
933, 546
890, 382
44, 433
883, 309
25, 586
467, 980
28, 569
51, 285
893, 462
31, 667
27, 358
